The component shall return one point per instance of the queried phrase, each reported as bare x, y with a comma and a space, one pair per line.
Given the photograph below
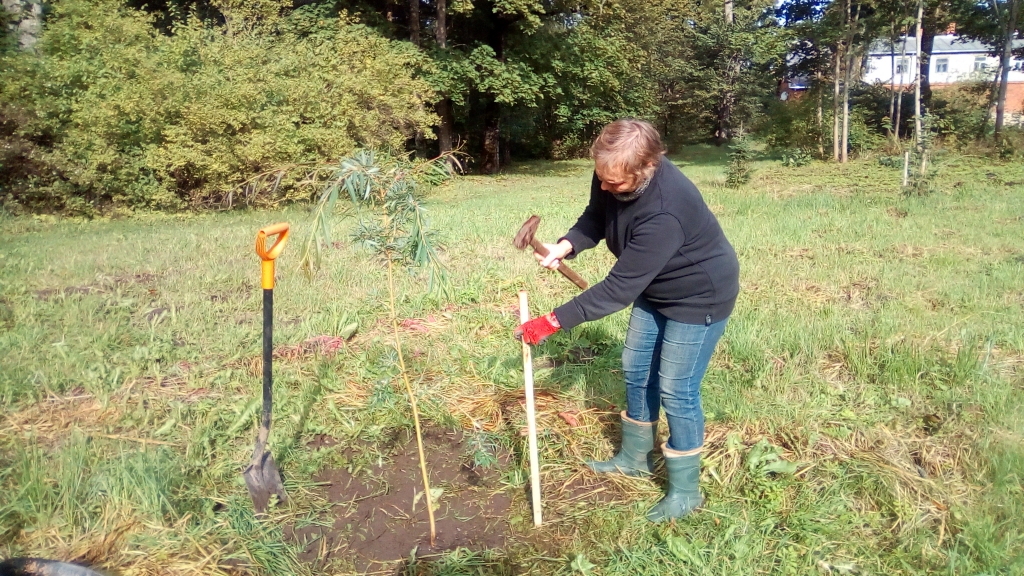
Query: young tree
814, 27
1010, 18
917, 82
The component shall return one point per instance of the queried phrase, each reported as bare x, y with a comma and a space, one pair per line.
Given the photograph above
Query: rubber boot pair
636, 458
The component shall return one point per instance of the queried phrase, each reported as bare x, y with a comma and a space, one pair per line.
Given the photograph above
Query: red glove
537, 330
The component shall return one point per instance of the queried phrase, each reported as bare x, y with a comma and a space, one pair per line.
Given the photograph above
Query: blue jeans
664, 362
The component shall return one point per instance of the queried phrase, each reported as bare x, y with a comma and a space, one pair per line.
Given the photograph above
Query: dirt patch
102, 286
51, 293
378, 518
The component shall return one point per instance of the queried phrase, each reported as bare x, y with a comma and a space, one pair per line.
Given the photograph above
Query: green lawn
878, 343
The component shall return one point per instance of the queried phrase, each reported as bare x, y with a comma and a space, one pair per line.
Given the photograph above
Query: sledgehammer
525, 238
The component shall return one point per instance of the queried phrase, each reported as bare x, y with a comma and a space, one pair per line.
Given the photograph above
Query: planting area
865, 407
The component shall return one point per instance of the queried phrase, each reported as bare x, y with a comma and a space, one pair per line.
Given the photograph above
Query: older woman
680, 273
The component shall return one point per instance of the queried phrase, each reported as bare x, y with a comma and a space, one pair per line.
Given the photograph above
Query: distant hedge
109, 112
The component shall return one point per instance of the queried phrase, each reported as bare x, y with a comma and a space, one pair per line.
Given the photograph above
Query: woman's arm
653, 243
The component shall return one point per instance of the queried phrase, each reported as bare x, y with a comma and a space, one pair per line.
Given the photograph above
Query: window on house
980, 63
942, 65
901, 66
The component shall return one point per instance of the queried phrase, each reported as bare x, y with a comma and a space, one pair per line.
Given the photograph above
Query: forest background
110, 105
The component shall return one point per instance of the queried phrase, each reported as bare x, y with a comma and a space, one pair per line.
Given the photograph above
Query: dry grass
52, 420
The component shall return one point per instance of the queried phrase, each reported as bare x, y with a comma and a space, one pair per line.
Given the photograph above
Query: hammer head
525, 235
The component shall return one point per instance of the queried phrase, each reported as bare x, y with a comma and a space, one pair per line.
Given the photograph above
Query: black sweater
670, 250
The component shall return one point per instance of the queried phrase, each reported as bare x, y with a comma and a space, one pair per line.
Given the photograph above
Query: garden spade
262, 476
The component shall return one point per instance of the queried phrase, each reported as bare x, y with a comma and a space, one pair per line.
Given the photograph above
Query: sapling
739, 164
384, 192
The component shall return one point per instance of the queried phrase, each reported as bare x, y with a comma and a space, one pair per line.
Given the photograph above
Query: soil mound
376, 520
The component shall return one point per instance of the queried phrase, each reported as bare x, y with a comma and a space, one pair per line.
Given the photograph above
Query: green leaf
348, 330
582, 565
683, 549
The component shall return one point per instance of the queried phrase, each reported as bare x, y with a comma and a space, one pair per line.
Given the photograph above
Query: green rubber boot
635, 457
683, 486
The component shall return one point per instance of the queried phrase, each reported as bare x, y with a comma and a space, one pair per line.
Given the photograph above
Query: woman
681, 275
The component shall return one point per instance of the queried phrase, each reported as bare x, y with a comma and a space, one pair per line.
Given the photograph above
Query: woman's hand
535, 331
555, 254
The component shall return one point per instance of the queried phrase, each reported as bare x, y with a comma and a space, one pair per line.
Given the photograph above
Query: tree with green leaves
997, 23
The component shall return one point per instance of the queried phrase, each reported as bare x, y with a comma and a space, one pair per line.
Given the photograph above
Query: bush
121, 114
739, 164
795, 157
794, 125
960, 112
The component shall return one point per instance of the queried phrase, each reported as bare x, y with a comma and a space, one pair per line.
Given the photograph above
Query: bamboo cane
412, 403
531, 415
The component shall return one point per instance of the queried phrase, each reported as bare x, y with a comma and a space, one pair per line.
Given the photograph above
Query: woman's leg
685, 353
640, 419
641, 357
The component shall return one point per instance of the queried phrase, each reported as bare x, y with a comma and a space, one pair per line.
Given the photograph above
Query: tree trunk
821, 117
926, 41
899, 99
1004, 63
414, 22
993, 96
506, 151
844, 147
446, 128
835, 104
917, 81
414, 37
491, 161
850, 55
25, 20
441, 25
723, 132
445, 141
892, 79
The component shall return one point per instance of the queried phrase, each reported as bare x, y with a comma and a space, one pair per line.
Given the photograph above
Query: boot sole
633, 472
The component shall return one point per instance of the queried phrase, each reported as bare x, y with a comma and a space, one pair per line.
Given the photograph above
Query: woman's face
614, 180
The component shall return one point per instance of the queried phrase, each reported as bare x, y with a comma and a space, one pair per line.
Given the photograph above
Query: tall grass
878, 343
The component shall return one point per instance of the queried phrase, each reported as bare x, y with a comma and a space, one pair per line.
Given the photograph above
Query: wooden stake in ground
531, 414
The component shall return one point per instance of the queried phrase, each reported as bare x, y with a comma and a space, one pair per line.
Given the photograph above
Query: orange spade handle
267, 256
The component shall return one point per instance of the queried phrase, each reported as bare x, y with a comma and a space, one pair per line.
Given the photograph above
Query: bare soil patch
376, 521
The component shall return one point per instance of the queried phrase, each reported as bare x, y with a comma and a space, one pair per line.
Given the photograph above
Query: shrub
124, 115
795, 157
960, 112
739, 164
794, 125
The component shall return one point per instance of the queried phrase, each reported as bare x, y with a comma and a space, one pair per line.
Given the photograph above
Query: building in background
953, 60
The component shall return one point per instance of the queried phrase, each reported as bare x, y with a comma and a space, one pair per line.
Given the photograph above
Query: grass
878, 343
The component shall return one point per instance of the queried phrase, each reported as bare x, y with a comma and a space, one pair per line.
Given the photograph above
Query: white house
953, 60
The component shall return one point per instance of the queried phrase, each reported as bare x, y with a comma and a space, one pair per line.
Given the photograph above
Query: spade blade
264, 480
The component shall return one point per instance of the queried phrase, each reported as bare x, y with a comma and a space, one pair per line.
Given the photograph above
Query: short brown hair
629, 145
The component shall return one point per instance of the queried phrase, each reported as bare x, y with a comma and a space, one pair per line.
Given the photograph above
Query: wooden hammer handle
565, 270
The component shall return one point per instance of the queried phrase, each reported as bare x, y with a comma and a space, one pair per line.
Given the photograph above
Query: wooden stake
531, 415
